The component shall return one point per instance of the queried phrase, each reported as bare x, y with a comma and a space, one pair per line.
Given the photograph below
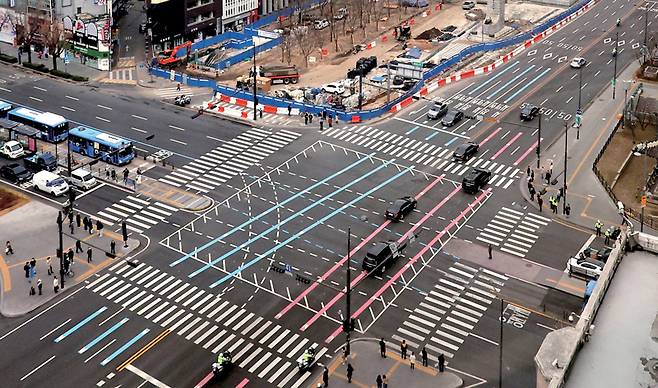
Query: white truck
11, 149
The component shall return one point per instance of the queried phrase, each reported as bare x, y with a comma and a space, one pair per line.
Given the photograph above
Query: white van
50, 182
82, 179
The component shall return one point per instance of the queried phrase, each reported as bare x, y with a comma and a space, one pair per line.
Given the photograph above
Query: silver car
587, 267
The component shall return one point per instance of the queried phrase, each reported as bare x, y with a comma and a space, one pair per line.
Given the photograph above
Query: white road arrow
561, 59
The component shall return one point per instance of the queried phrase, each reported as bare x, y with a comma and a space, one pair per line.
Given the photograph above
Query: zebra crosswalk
513, 231
420, 152
229, 159
258, 345
450, 311
173, 91
140, 213
269, 118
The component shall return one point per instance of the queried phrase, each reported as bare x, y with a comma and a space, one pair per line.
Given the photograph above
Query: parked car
400, 208
15, 173
50, 182
398, 80
341, 14
452, 117
529, 112
475, 179
464, 151
446, 37
587, 267
578, 62
333, 88
438, 110
321, 24
143, 27
468, 4
40, 161
380, 255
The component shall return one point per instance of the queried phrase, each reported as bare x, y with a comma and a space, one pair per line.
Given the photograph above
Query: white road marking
175, 127
178, 141
35, 99
139, 117
103, 119
73, 98
67, 108
103, 106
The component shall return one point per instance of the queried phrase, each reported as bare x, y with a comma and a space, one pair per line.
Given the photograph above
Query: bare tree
5, 20
306, 41
55, 38
27, 30
376, 12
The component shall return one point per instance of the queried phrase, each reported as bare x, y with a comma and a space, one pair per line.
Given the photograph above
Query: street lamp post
564, 184
614, 76
347, 327
646, 26
539, 141
254, 81
500, 346
579, 112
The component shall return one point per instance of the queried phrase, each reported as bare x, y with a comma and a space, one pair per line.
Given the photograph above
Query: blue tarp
414, 53
590, 288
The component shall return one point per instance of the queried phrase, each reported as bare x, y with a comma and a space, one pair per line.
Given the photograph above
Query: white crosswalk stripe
229, 159
463, 297
513, 231
270, 352
172, 92
139, 213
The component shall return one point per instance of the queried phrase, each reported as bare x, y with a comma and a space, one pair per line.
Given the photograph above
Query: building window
78, 10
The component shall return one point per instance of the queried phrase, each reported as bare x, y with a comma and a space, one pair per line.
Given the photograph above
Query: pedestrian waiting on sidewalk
412, 361
379, 381
89, 254
71, 227
99, 227
382, 348
567, 210
442, 362
424, 351
55, 284
403, 349
350, 370
384, 381
78, 246
78, 219
113, 247
325, 376
26, 268
540, 202
85, 223
8, 249
49, 265
598, 227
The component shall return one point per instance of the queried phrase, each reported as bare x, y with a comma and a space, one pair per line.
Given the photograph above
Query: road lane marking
178, 141
37, 368
103, 119
38, 88
138, 130
35, 99
139, 117
81, 323
55, 329
147, 377
67, 108
175, 127
124, 347
73, 98
102, 336
103, 106
6, 90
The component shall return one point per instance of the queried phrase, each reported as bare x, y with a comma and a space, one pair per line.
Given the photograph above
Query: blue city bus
5, 107
109, 148
52, 128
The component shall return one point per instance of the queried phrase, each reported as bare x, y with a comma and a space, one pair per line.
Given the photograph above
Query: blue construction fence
363, 115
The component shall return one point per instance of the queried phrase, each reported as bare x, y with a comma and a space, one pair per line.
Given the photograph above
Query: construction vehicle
244, 82
403, 33
170, 58
280, 73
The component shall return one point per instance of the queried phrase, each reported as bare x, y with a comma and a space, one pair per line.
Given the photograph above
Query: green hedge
8, 58
36, 66
59, 73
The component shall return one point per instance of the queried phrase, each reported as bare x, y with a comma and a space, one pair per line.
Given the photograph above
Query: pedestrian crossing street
422, 153
172, 92
140, 213
269, 118
258, 345
229, 159
512, 231
450, 311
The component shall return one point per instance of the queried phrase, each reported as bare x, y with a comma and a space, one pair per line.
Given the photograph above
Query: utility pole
614, 76
539, 142
361, 88
579, 112
60, 250
254, 81
347, 324
564, 184
388, 83
646, 26
500, 346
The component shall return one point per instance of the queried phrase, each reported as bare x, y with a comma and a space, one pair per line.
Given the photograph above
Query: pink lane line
533, 147
352, 253
364, 273
509, 143
409, 264
205, 380
242, 383
491, 135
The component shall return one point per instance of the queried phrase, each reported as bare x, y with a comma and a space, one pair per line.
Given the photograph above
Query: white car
588, 267
321, 24
468, 4
333, 88
578, 62
82, 179
51, 183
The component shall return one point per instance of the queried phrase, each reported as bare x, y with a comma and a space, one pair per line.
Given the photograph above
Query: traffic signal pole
60, 250
347, 324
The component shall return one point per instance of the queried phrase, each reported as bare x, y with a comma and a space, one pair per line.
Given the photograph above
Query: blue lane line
294, 216
81, 323
432, 135
412, 130
451, 141
102, 336
124, 347
310, 227
508, 83
263, 214
493, 78
527, 85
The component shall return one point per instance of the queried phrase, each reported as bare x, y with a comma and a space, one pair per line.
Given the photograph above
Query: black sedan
464, 152
452, 117
529, 112
400, 208
15, 173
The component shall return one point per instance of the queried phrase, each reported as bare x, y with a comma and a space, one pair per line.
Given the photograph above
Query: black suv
16, 173
529, 112
464, 151
380, 255
452, 117
400, 208
475, 179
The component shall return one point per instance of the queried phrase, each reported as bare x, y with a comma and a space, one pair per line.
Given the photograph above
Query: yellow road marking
143, 350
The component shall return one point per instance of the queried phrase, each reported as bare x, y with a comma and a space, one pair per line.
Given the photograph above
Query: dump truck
280, 73
244, 82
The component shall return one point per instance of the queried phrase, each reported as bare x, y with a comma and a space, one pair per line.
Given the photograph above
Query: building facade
176, 21
238, 13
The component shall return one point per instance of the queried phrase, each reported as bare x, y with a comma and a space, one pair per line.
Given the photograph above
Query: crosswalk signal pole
60, 249
347, 324
539, 142
566, 133
254, 81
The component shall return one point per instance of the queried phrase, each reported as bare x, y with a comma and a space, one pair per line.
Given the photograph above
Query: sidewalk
368, 363
32, 231
74, 67
588, 198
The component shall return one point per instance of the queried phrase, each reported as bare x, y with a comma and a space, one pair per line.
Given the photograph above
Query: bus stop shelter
23, 134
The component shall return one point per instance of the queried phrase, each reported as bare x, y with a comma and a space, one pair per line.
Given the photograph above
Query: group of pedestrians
111, 174
553, 200
323, 116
